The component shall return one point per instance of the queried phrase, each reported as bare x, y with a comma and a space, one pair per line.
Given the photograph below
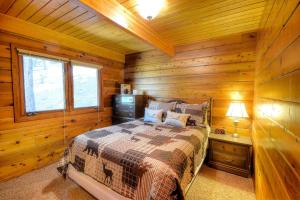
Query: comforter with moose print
138, 160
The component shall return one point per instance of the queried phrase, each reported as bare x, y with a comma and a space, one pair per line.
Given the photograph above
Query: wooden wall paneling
264, 191
276, 107
5, 63
5, 76
221, 68
275, 20
30, 145
6, 94
267, 170
234, 76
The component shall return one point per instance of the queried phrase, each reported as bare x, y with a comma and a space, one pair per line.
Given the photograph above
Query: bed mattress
138, 160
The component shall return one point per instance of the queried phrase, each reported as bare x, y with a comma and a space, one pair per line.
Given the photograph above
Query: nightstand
233, 155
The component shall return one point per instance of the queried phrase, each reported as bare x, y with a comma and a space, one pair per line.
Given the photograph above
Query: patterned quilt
138, 160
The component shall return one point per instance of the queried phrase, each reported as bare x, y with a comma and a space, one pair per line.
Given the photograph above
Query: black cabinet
127, 107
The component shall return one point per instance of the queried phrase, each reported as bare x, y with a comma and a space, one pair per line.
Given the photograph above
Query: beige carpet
46, 183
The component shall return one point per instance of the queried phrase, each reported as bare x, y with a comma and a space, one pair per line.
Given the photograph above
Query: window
85, 86
44, 86
48, 86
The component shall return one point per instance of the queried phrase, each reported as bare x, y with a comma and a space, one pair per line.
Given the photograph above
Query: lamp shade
237, 110
149, 9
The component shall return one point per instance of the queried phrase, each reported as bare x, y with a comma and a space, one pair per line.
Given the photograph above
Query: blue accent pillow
154, 116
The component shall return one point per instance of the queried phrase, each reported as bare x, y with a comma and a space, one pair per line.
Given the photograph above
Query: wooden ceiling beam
123, 18
33, 31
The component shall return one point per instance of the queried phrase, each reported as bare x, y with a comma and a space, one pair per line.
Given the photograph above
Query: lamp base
235, 135
235, 122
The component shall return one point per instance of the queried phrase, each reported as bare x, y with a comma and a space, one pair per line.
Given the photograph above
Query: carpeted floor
45, 183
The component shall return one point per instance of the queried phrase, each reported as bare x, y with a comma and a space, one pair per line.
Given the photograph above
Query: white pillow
153, 115
177, 119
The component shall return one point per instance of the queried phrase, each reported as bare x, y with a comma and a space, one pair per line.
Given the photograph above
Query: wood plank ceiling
180, 21
189, 21
72, 18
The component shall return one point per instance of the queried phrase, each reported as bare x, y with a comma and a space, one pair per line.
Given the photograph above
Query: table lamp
236, 110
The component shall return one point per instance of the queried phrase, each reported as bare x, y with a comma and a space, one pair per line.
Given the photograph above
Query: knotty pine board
25, 146
277, 103
220, 68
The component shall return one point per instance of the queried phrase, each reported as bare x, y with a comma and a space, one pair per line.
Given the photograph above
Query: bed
137, 160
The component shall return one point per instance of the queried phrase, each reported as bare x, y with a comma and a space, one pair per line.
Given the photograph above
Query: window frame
22, 84
20, 114
100, 107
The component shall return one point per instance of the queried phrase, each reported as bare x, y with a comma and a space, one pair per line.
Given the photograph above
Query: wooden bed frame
102, 192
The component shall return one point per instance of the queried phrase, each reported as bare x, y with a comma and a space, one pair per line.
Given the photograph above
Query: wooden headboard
209, 111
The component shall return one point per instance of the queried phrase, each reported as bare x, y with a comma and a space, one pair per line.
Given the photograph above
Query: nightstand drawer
230, 154
230, 148
229, 159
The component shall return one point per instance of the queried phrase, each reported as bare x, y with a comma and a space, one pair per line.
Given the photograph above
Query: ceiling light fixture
149, 9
